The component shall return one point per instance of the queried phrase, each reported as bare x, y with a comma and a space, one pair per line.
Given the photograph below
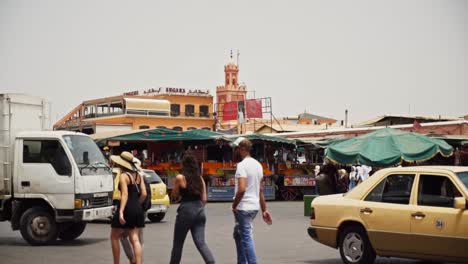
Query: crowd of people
332, 179
128, 221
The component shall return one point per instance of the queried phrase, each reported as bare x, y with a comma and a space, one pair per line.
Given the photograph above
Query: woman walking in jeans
191, 212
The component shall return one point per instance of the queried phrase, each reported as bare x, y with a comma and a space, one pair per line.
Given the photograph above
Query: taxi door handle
366, 211
418, 215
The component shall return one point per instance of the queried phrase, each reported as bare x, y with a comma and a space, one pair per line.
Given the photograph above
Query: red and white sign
254, 108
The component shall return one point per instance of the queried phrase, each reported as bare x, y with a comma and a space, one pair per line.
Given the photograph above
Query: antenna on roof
231, 54
238, 54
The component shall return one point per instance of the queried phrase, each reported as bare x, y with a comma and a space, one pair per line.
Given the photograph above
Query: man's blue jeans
244, 237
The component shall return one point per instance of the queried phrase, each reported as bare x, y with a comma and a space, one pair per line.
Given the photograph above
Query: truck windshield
464, 178
87, 155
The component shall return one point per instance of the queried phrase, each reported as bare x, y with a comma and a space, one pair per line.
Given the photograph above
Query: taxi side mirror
460, 203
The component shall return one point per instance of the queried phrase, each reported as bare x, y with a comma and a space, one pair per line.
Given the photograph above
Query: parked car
412, 212
159, 199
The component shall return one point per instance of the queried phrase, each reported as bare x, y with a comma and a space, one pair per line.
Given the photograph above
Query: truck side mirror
86, 157
460, 203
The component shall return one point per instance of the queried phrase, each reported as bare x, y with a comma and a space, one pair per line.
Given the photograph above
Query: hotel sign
169, 90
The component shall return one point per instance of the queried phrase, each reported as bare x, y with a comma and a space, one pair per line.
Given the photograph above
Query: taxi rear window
464, 178
152, 176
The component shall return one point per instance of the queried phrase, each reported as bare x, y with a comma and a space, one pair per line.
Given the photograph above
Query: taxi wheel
156, 218
355, 247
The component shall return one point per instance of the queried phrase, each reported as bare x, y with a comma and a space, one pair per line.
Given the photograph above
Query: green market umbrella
386, 147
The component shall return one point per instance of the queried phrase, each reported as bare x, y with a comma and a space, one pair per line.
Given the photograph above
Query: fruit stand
220, 179
297, 179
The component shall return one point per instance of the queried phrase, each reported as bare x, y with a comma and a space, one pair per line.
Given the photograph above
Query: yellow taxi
159, 199
409, 212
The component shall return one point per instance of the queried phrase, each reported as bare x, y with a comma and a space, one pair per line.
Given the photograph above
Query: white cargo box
18, 112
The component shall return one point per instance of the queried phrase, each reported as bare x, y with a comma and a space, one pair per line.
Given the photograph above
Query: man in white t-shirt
248, 200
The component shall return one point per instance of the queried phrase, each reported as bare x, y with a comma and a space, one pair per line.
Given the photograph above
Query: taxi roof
454, 169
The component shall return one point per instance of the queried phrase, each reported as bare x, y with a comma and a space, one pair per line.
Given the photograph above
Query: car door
385, 212
438, 228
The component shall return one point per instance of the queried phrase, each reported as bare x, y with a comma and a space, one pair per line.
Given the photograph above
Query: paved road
284, 242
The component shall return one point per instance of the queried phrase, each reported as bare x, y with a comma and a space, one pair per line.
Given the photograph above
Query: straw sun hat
126, 160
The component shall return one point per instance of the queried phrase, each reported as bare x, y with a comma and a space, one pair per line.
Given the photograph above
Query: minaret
231, 90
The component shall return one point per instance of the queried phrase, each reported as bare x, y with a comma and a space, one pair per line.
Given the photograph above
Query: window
85, 152
463, 176
189, 110
177, 128
47, 151
436, 191
191, 128
175, 110
143, 127
161, 127
204, 111
393, 189
206, 128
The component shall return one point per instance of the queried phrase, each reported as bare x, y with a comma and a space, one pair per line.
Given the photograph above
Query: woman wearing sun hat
130, 216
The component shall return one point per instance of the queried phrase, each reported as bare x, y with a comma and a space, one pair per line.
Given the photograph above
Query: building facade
165, 107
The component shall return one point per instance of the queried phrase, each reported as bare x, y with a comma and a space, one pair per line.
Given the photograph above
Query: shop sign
299, 181
169, 90
113, 143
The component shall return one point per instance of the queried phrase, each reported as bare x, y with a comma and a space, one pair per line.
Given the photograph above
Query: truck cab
60, 180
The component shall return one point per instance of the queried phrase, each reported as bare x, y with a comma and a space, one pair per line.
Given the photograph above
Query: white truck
51, 182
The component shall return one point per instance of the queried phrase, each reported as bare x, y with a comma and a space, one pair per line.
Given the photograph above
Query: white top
365, 172
252, 170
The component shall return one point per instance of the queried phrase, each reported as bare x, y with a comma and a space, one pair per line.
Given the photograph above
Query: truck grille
99, 201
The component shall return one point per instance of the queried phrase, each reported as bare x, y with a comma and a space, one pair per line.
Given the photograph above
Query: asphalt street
286, 241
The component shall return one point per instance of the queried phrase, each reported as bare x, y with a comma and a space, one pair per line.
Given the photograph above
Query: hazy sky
371, 57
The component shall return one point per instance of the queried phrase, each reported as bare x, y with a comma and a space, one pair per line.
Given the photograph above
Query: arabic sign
299, 181
169, 90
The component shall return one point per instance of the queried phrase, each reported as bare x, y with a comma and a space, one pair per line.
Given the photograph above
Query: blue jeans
244, 237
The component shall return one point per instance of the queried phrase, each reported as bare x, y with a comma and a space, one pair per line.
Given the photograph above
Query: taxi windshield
464, 178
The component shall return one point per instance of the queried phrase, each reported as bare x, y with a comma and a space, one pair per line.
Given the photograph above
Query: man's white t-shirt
252, 170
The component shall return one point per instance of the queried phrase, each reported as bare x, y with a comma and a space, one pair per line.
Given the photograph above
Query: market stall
387, 147
162, 150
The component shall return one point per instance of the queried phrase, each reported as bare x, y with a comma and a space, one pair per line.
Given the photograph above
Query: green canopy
386, 147
262, 137
201, 134
164, 134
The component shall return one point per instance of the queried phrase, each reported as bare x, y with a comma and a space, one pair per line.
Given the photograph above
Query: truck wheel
38, 226
156, 218
355, 247
71, 231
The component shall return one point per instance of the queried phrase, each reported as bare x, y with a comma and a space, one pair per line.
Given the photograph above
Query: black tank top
188, 196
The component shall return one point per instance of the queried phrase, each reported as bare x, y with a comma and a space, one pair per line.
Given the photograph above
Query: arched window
207, 128
143, 127
191, 128
161, 127
177, 128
